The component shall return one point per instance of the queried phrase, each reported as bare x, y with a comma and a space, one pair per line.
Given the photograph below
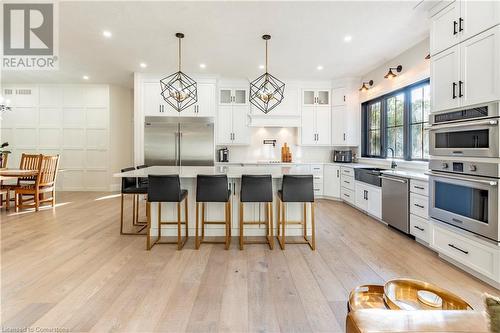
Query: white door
351, 125
225, 96
360, 195
338, 96
331, 181
323, 97
338, 126
323, 125
308, 129
241, 131
445, 73
444, 28
480, 59
151, 99
240, 96
206, 104
374, 202
478, 16
225, 125
308, 97
289, 106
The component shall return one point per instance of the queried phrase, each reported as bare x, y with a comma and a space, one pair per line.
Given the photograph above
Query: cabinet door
240, 96
360, 195
241, 131
308, 97
225, 96
289, 106
338, 96
338, 125
480, 59
374, 202
331, 181
323, 125
444, 28
151, 99
352, 125
225, 125
323, 97
478, 16
206, 105
445, 70
308, 129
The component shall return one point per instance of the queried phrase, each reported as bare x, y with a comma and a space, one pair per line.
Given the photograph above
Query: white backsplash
258, 151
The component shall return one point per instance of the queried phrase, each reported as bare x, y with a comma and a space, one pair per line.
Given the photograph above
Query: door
225, 125
351, 124
444, 28
374, 202
308, 97
240, 96
360, 195
445, 73
323, 125
196, 147
161, 142
151, 99
323, 97
480, 68
308, 129
478, 16
241, 131
338, 96
331, 181
225, 96
205, 105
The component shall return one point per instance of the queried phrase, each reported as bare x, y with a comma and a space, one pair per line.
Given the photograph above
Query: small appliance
342, 156
223, 154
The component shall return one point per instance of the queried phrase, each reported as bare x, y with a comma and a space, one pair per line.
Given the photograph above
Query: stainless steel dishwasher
395, 202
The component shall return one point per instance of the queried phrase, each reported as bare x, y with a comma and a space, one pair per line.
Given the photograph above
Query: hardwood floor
69, 268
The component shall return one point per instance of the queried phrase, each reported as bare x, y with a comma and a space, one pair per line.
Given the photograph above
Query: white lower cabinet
420, 228
369, 199
347, 195
331, 181
477, 255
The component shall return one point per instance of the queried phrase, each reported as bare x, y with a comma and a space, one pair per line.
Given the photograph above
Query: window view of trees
399, 121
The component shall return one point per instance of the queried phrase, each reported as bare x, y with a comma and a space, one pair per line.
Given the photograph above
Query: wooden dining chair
5, 157
45, 182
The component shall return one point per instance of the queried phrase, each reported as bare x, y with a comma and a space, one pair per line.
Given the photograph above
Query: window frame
383, 125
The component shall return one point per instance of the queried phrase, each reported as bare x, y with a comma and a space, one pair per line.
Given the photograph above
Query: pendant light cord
179, 54
266, 56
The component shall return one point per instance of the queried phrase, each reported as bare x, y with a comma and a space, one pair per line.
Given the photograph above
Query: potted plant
3, 152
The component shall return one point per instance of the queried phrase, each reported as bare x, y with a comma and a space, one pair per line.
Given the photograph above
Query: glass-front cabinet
316, 97
238, 96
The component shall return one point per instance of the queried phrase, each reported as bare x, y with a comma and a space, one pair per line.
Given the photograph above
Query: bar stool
130, 187
257, 188
167, 188
143, 183
296, 188
212, 188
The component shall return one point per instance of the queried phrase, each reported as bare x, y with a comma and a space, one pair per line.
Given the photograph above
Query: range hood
268, 120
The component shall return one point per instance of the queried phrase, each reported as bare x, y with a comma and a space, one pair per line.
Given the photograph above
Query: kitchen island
215, 211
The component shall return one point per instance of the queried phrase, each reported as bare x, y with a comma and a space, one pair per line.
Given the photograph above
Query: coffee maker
342, 156
223, 155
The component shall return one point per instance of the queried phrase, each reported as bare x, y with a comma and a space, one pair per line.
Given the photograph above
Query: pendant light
266, 91
390, 74
178, 89
366, 85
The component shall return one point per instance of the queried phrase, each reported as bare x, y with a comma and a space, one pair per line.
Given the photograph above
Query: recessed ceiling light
261, 66
319, 68
85, 77
203, 66
143, 65
347, 38
107, 33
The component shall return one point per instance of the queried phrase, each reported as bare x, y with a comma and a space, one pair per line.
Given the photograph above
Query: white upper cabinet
235, 96
468, 73
233, 116
338, 96
152, 101
345, 120
460, 20
316, 125
205, 106
315, 97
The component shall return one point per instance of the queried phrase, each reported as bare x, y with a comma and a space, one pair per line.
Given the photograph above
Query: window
398, 121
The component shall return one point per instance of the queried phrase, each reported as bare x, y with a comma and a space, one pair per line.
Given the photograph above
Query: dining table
8, 173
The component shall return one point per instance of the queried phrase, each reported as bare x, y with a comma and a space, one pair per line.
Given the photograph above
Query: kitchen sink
369, 175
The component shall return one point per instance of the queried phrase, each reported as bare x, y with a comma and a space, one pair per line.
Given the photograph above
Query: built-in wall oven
469, 131
465, 195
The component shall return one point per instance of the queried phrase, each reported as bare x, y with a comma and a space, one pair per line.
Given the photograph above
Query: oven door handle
488, 122
480, 181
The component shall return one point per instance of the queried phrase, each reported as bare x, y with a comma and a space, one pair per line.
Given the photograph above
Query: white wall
415, 68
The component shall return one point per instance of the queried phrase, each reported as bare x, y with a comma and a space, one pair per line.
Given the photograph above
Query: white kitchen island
215, 211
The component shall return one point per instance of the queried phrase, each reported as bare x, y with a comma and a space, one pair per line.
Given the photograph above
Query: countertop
410, 174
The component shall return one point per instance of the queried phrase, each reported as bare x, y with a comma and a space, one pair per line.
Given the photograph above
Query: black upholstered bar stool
296, 188
257, 189
130, 186
212, 188
142, 182
167, 188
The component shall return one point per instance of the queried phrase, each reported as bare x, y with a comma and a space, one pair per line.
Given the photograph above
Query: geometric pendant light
266, 91
178, 89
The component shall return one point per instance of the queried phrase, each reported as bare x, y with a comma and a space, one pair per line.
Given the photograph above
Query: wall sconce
390, 74
427, 57
366, 85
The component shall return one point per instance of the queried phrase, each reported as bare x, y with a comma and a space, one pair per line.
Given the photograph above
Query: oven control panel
464, 167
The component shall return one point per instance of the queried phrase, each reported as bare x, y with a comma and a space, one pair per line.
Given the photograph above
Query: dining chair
45, 182
4, 191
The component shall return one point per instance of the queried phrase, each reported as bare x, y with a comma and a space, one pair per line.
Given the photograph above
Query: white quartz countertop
232, 171
410, 174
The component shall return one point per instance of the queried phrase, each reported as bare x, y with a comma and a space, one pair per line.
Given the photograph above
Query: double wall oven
464, 192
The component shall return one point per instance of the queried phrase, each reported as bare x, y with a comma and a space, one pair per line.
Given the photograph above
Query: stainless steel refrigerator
179, 141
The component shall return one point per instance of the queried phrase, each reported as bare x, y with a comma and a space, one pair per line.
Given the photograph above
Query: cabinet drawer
468, 252
317, 179
419, 187
347, 171
347, 195
419, 205
347, 182
420, 228
317, 170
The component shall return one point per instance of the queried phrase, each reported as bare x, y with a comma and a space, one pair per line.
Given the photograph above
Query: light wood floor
70, 269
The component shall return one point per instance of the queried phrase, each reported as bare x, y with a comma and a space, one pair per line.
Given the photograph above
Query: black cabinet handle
344, 98
347, 195
419, 187
344, 136
338, 173
418, 228
454, 90
345, 181
460, 21
455, 27
460, 83
457, 248
419, 206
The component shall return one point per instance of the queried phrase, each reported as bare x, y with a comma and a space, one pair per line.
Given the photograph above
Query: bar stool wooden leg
159, 221
227, 217
270, 225
278, 232
202, 221
179, 238
136, 197
241, 225
186, 205
230, 220
304, 227
121, 215
313, 231
148, 237
196, 239
133, 209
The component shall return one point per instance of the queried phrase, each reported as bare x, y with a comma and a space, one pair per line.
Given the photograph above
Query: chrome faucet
393, 163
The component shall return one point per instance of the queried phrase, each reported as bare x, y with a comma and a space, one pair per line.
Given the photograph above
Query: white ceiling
226, 36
